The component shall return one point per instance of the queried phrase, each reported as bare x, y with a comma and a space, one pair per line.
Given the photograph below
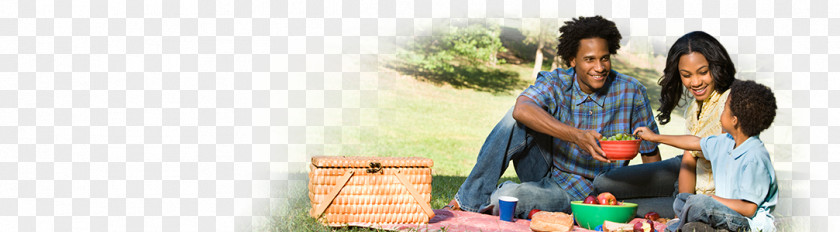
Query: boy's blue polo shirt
745, 173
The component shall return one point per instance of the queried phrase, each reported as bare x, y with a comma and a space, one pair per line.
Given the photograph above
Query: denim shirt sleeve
544, 91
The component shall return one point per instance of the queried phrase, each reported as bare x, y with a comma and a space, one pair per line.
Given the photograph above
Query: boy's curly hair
583, 28
753, 104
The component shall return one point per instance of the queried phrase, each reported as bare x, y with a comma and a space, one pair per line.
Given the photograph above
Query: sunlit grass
422, 119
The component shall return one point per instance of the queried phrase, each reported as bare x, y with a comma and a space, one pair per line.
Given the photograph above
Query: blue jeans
544, 194
652, 185
531, 153
702, 208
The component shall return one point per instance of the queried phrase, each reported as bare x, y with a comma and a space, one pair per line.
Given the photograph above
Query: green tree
471, 46
463, 57
543, 33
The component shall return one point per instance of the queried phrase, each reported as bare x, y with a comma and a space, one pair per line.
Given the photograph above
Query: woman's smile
699, 91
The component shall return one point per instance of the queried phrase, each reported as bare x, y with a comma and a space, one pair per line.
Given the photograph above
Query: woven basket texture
372, 195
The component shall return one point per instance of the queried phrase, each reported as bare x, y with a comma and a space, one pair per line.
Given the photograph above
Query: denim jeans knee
508, 141
544, 194
656, 179
703, 208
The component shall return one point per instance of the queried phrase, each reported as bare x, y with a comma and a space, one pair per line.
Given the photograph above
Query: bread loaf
617, 227
552, 221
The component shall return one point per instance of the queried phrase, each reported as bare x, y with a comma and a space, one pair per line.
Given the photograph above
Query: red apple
533, 211
590, 200
644, 226
638, 227
653, 216
607, 198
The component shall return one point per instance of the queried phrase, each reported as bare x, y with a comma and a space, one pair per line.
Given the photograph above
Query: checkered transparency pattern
133, 115
331, 53
195, 115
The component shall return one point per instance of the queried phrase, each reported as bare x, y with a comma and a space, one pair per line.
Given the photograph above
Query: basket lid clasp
374, 167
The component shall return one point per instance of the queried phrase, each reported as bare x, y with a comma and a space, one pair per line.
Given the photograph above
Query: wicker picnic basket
370, 190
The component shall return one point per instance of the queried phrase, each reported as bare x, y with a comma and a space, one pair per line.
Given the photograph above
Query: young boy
745, 181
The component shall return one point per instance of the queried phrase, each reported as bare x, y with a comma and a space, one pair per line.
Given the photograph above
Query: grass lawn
448, 125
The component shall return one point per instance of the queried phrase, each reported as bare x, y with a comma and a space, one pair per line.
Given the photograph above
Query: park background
201, 115
416, 112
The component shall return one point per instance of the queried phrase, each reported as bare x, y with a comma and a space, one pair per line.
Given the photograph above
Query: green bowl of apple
591, 215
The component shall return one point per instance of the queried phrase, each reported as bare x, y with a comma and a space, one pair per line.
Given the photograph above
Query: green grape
619, 137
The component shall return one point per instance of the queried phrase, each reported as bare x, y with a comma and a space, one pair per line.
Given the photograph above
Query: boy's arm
743, 207
643, 116
688, 173
685, 142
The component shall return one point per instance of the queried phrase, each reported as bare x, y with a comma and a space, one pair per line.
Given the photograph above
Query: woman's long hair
720, 66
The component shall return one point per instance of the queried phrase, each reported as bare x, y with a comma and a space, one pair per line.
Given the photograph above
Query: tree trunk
493, 59
538, 59
556, 64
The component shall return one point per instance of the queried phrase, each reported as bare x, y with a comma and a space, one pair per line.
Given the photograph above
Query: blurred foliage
472, 46
513, 40
464, 57
540, 30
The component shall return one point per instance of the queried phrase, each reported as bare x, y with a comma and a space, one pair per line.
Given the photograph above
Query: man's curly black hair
583, 28
753, 104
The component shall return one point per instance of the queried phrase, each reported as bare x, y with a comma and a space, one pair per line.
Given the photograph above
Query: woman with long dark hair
697, 65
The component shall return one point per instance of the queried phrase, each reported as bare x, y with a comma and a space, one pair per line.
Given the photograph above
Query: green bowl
590, 215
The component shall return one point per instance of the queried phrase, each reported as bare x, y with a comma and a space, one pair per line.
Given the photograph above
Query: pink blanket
447, 220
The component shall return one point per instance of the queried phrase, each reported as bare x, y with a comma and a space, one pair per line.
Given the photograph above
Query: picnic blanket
447, 220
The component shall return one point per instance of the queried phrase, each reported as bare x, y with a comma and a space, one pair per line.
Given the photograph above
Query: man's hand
587, 140
527, 112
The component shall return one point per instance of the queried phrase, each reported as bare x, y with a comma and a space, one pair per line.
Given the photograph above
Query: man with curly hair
746, 190
551, 134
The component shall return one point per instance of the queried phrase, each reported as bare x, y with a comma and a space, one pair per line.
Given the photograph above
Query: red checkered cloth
467, 221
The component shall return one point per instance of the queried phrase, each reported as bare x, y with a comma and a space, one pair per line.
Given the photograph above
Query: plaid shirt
619, 107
